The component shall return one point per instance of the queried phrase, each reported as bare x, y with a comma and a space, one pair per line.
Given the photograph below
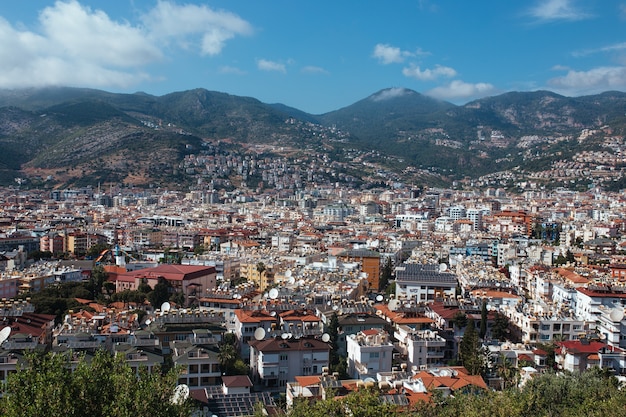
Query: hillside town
322, 290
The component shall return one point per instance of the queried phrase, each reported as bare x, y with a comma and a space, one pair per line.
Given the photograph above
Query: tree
459, 320
483, 320
385, 274
95, 250
104, 386
470, 351
160, 293
500, 329
96, 281
506, 371
333, 332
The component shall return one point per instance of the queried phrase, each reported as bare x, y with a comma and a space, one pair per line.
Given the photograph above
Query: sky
317, 56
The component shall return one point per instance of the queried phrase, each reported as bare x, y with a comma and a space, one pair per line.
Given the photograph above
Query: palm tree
506, 371
226, 357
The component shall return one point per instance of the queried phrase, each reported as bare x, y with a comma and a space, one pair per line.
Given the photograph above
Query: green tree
333, 332
95, 250
483, 320
96, 281
229, 358
160, 293
470, 351
506, 371
385, 274
104, 386
500, 329
459, 320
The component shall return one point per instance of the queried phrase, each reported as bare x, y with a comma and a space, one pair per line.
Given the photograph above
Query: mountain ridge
53, 128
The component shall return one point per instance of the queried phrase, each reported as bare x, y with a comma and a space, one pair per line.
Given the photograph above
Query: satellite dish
325, 338
292, 280
393, 304
4, 334
273, 293
617, 314
166, 306
284, 336
181, 393
369, 379
259, 334
443, 267
288, 273
379, 298
273, 314
148, 322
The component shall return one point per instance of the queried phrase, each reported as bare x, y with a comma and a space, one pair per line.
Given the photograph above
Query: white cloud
226, 69
310, 69
169, 20
415, 71
588, 82
550, 10
266, 65
458, 89
387, 54
76, 45
609, 48
389, 94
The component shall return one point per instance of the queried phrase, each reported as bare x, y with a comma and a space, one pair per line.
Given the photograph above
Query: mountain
372, 119
80, 136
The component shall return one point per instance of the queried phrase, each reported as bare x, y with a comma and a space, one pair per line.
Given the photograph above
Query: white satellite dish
292, 280
325, 338
393, 304
617, 314
443, 267
273, 293
379, 298
259, 334
288, 273
4, 334
148, 322
284, 336
166, 306
181, 393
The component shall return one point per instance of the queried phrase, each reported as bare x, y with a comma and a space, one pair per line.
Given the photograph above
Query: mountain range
71, 136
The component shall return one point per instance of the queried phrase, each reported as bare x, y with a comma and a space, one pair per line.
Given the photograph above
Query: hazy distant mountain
100, 136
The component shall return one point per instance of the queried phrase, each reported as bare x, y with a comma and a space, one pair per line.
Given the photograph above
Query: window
283, 357
374, 355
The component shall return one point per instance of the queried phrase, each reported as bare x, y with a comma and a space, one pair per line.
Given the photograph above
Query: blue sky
317, 56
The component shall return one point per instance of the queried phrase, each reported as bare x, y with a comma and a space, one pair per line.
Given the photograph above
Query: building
424, 282
276, 361
369, 352
370, 264
192, 280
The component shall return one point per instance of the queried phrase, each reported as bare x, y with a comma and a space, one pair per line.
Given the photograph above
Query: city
325, 287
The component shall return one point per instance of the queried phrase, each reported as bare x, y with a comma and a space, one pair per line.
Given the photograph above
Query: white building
369, 352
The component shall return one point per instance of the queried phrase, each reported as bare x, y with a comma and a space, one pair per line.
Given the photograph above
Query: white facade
369, 352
